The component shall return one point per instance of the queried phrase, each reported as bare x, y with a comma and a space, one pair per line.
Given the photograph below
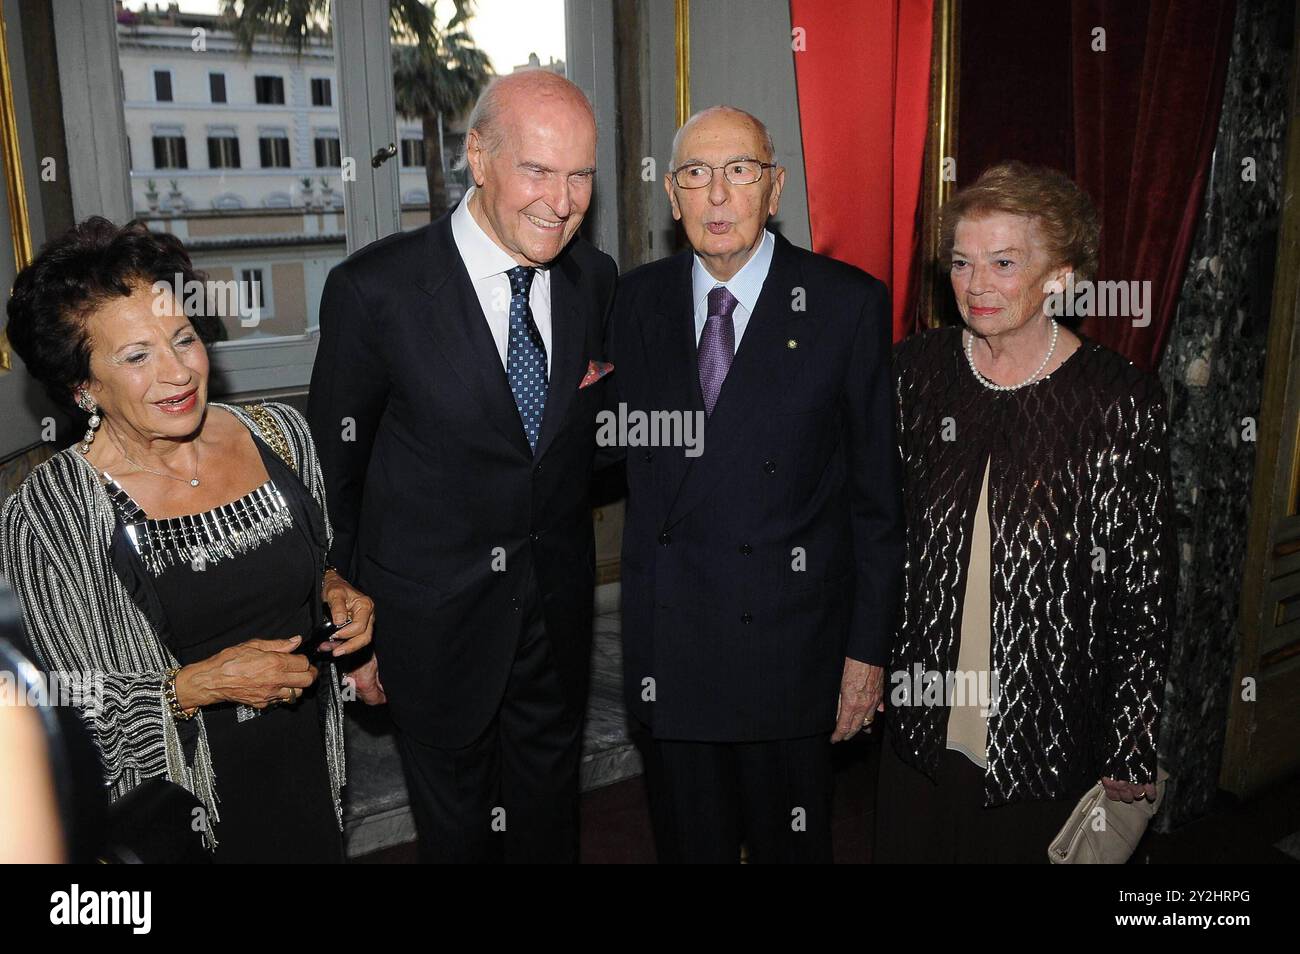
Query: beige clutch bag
1102, 832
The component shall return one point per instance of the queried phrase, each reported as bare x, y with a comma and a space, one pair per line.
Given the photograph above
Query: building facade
239, 155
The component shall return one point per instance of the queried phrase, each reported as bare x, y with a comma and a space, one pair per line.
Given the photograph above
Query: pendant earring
85, 402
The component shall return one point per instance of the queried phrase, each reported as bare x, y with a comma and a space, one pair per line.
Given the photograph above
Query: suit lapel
461, 333
568, 349
760, 373
671, 337
669, 343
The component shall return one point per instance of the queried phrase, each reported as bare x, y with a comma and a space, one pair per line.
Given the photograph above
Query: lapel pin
791, 344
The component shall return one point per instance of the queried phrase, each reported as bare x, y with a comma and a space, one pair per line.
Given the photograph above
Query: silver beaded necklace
993, 386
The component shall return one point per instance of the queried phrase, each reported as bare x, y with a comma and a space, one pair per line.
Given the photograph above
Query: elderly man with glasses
760, 571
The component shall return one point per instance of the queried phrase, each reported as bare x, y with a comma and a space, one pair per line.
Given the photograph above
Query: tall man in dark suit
759, 577
454, 404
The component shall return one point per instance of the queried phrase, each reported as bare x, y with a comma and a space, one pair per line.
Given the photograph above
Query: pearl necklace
970, 359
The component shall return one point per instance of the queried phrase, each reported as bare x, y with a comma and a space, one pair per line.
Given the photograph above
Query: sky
508, 30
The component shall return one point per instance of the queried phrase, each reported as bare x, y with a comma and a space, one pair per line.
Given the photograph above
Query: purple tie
717, 345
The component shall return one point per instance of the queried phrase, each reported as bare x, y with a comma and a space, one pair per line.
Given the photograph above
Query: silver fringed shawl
55, 551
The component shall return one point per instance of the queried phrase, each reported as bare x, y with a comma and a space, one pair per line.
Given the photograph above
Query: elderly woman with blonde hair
1029, 660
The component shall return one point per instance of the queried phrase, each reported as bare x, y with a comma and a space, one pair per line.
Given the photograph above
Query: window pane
168, 152
327, 152
253, 286
235, 219
162, 86
275, 152
223, 152
429, 183
269, 90
413, 152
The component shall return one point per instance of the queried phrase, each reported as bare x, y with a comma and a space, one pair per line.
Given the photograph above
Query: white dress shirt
746, 285
487, 264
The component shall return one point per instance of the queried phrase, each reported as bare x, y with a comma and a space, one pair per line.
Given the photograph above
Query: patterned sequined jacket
1083, 564
87, 608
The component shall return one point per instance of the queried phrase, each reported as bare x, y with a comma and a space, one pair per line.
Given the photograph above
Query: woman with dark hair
175, 557
1030, 656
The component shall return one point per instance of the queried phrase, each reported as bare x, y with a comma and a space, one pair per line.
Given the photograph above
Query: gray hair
762, 128
485, 117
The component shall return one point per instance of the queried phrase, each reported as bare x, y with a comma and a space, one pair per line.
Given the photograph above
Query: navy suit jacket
750, 572
441, 513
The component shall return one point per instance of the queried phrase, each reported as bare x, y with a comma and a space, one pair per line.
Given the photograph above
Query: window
413, 152
274, 151
252, 289
223, 152
169, 152
252, 122
327, 152
269, 90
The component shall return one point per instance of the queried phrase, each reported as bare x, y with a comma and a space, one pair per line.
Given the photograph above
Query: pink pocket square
595, 371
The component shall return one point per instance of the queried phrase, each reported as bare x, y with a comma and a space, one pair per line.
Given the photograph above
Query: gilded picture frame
15, 191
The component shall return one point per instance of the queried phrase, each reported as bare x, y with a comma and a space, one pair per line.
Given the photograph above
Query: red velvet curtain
1134, 125
1146, 112
864, 83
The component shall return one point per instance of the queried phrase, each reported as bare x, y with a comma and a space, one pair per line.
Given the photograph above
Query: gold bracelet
169, 693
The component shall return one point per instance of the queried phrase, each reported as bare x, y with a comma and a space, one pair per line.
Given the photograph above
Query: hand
862, 695
365, 678
346, 602
257, 673
1128, 792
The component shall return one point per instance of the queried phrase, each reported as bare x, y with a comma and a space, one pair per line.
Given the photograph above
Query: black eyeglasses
697, 175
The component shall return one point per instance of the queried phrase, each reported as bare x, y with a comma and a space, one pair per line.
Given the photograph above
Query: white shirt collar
746, 284
483, 257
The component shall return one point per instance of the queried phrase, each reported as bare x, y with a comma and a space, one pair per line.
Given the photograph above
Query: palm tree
293, 22
434, 82
436, 72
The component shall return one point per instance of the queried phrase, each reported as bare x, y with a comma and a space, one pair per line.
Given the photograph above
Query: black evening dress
255, 579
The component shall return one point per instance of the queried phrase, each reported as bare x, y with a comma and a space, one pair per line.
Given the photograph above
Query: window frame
414, 142
288, 150
155, 138
316, 141
279, 84
167, 71
100, 167
329, 91
266, 287
224, 138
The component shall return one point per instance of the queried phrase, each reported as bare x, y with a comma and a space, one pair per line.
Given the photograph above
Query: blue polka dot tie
526, 356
